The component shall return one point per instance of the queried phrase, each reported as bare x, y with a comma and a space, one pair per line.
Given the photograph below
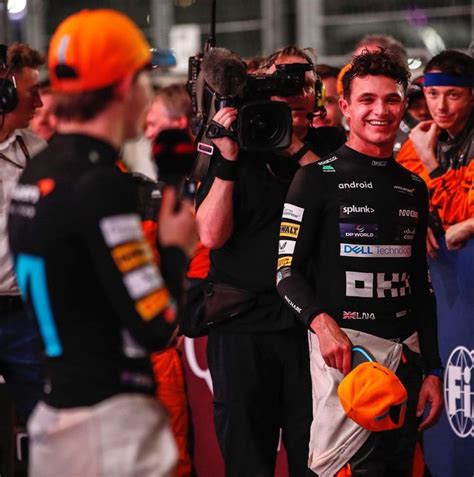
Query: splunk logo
356, 185
459, 391
349, 210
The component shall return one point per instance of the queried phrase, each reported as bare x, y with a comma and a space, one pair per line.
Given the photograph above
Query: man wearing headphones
19, 340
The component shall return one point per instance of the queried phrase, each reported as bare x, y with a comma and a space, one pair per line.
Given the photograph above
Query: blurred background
258, 27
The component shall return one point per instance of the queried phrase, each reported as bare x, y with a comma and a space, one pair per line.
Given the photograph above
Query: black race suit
87, 273
259, 358
352, 244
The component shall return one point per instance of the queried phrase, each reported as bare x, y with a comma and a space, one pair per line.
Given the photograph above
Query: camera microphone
224, 72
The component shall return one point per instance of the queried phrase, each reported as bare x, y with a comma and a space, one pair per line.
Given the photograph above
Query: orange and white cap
93, 49
372, 395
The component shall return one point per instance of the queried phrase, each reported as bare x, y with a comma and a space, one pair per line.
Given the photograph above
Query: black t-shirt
360, 223
248, 258
87, 273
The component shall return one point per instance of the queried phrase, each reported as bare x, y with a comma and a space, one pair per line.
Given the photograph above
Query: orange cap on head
373, 397
94, 49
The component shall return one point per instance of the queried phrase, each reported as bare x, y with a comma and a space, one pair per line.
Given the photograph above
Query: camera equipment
8, 93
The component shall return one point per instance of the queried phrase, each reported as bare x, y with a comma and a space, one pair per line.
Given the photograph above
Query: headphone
8, 92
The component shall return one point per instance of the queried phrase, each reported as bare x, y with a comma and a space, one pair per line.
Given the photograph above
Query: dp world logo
459, 391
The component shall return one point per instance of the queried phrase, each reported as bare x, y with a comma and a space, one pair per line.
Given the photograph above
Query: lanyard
23, 148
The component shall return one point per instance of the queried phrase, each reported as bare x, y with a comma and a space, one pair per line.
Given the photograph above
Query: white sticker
375, 251
121, 228
143, 281
286, 247
293, 212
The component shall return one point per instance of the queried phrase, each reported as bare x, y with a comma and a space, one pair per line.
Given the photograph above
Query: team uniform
90, 278
451, 184
258, 354
352, 244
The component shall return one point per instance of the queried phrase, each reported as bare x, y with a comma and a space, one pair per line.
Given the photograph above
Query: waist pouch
224, 302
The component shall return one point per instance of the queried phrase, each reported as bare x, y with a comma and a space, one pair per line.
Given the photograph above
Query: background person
20, 344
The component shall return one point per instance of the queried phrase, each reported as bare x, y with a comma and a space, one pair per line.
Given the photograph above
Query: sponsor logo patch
404, 190
284, 273
358, 230
416, 178
327, 161
153, 304
356, 185
377, 285
401, 314
143, 281
295, 307
293, 212
284, 262
286, 247
121, 229
375, 251
26, 193
287, 229
408, 213
357, 315
405, 232
328, 169
379, 163
351, 210
132, 255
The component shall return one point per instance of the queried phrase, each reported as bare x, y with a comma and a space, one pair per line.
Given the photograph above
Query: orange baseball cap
372, 395
93, 49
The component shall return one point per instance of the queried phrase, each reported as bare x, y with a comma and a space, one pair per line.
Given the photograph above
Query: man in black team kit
85, 269
258, 358
360, 221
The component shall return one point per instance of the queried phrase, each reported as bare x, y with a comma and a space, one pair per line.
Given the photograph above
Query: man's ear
124, 85
344, 107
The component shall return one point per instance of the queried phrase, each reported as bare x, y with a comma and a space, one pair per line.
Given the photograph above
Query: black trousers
261, 383
390, 453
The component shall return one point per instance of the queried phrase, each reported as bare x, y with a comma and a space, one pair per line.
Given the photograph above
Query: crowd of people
292, 261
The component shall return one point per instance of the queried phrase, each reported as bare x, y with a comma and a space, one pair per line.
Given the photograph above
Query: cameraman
258, 353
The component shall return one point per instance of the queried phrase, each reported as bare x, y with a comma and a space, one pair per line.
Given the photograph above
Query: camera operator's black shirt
360, 222
87, 273
248, 258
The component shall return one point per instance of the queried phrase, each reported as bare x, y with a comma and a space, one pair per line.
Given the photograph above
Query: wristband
299, 154
438, 372
226, 170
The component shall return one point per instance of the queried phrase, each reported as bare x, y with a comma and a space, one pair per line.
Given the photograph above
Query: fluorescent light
16, 7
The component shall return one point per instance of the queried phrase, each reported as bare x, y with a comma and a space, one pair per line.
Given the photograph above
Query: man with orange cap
85, 268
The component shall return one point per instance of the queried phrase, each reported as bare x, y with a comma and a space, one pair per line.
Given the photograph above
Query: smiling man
360, 222
442, 150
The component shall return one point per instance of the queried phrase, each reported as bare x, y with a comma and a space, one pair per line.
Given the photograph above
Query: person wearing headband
441, 150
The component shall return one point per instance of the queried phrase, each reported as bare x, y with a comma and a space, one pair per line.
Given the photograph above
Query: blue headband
446, 79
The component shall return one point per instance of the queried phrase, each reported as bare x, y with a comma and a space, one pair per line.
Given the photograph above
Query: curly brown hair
377, 63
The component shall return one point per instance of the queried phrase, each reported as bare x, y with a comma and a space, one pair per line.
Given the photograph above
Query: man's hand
432, 245
228, 148
432, 394
459, 234
177, 227
424, 137
336, 348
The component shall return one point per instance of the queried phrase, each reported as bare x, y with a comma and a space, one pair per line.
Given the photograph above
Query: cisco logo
459, 391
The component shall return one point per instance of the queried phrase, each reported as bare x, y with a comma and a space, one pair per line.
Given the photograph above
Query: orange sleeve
408, 158
200, 263
452, 194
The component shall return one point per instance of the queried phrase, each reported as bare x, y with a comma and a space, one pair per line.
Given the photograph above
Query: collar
363, 159
95, 150
9, 140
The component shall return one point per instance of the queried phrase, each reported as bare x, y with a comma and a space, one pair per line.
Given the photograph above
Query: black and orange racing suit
88, 274
352, 244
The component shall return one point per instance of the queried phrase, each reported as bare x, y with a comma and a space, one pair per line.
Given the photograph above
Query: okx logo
458, 391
